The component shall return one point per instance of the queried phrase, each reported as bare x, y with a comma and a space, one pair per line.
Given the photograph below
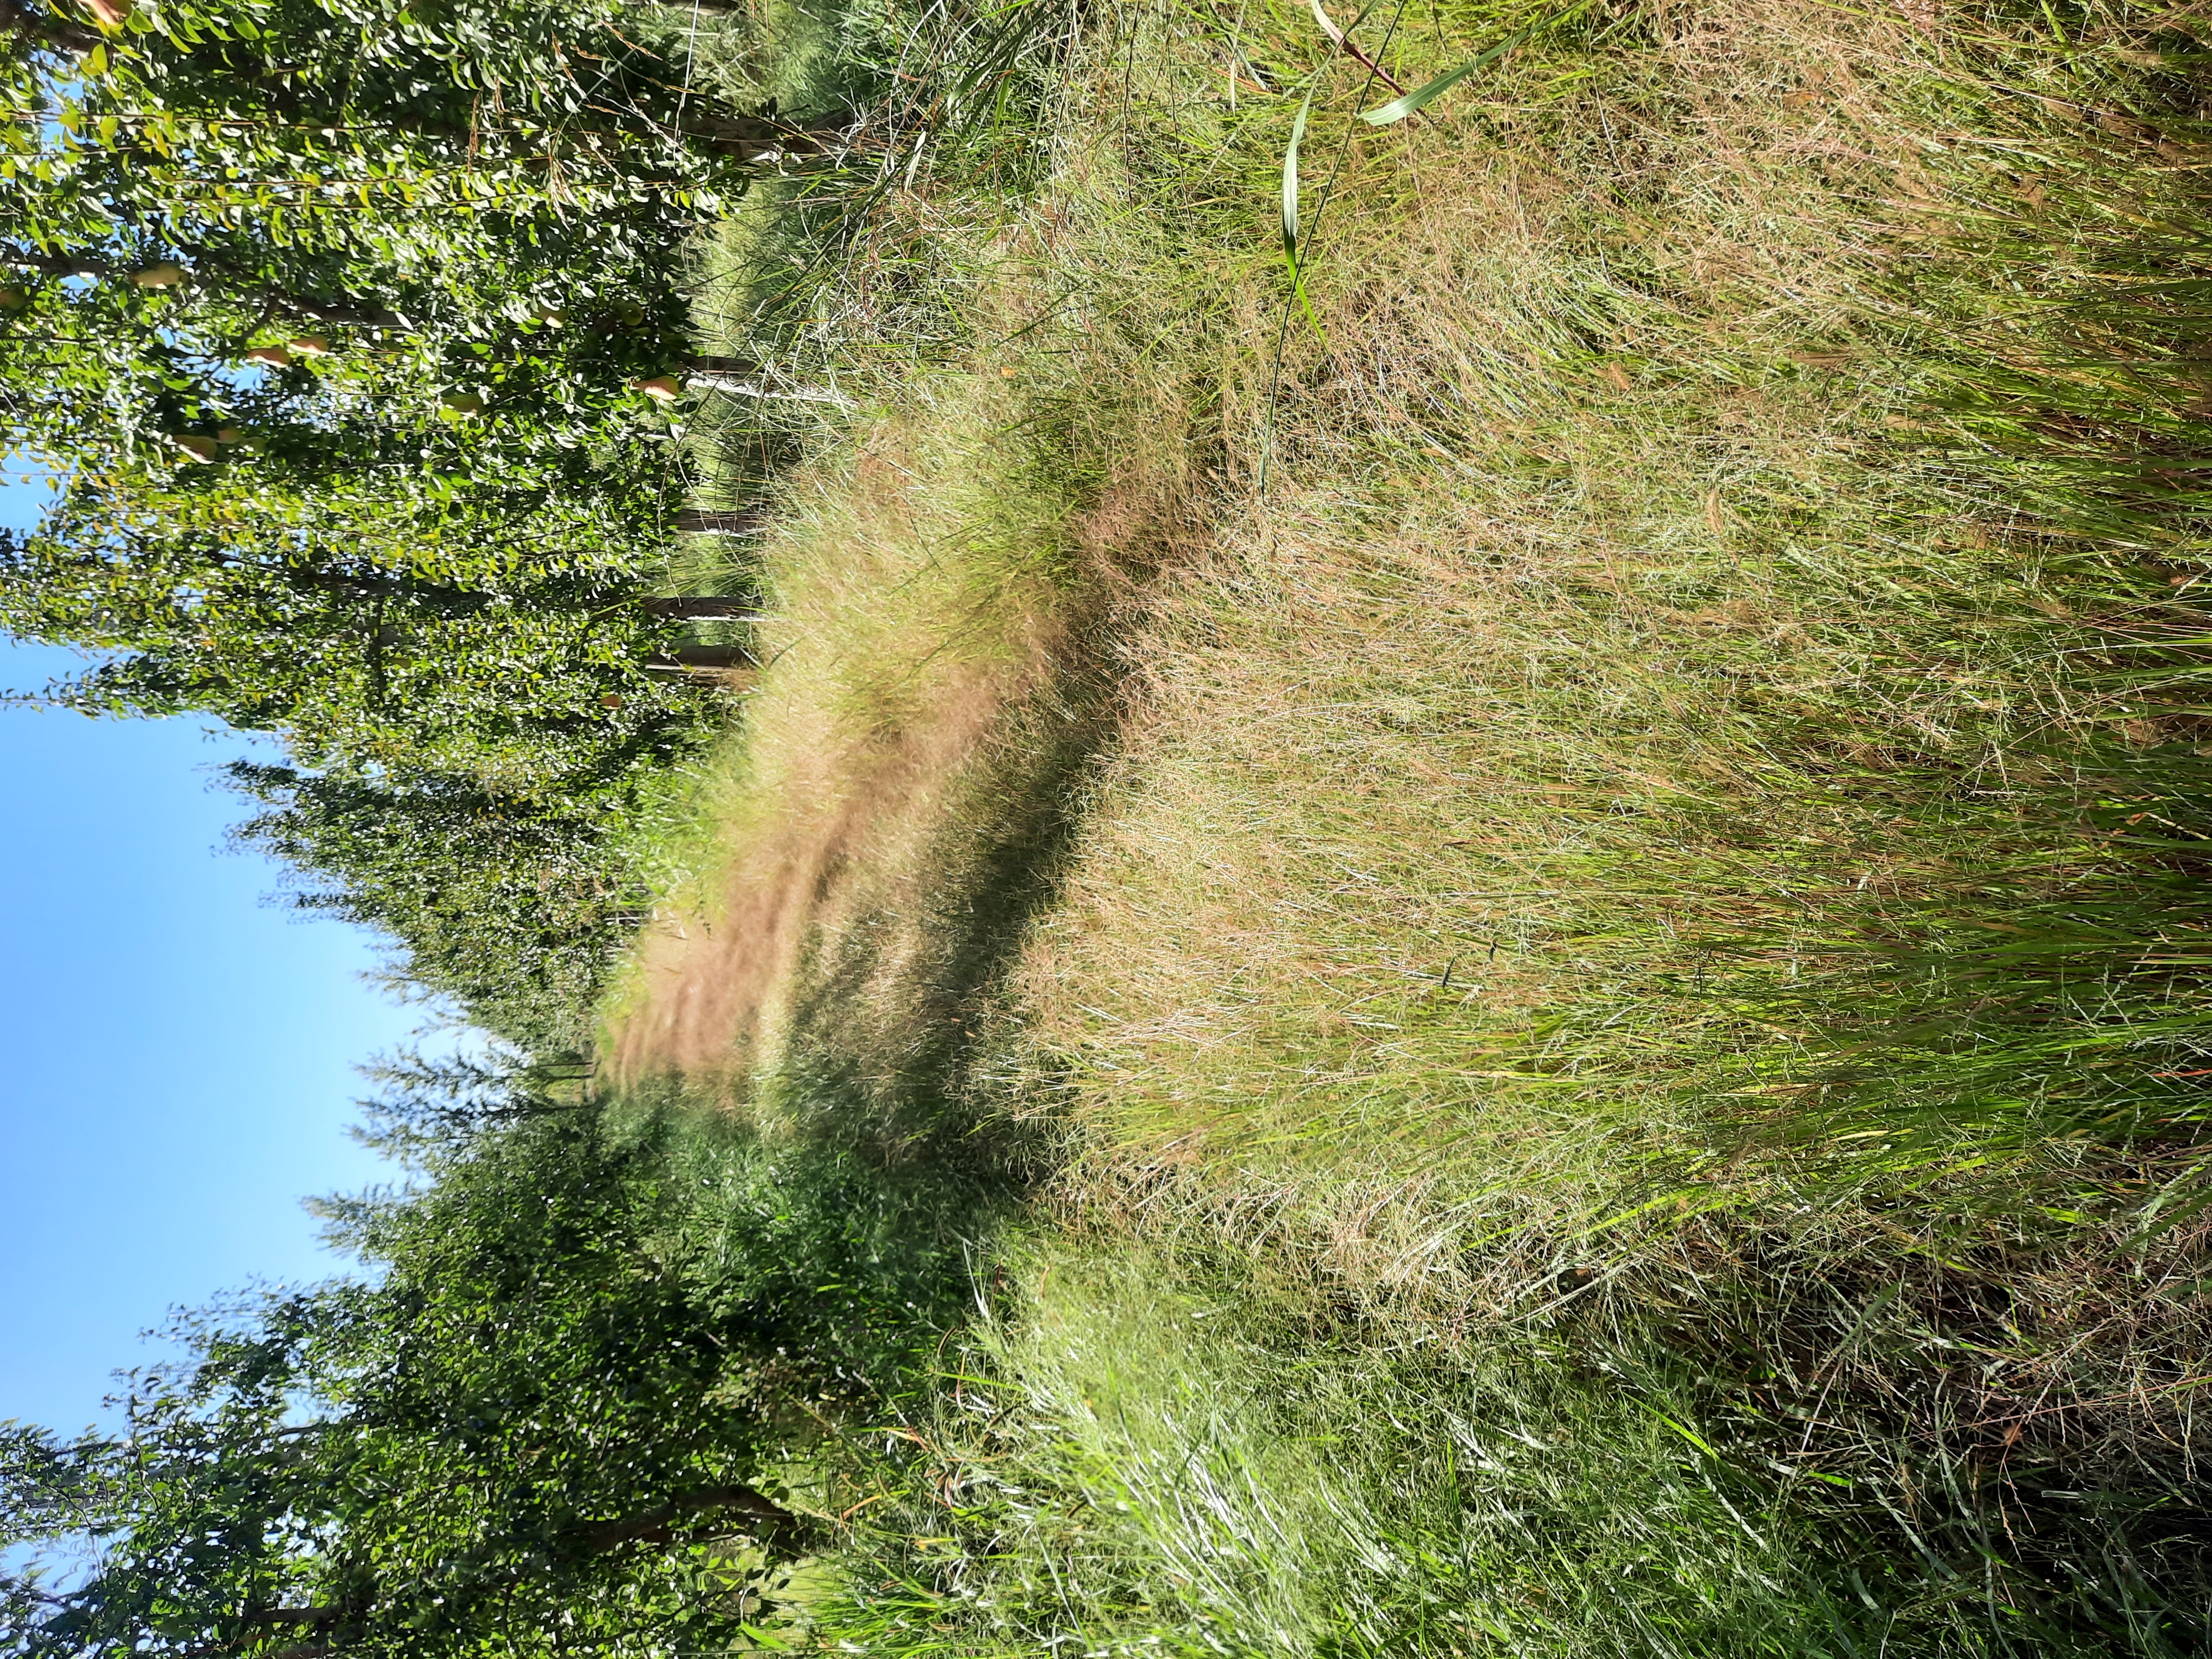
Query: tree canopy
553, 1419
315, 227
357, 333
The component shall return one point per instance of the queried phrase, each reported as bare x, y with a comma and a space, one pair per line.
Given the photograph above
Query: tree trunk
747, 137
327, 1613
757, 140
704, 657
658, 1525
730, 374
703, 609
700, 521
460, 601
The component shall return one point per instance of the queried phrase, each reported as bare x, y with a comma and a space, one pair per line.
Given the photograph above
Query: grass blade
1399, 108
1290, 185
1291, 255
1341, 38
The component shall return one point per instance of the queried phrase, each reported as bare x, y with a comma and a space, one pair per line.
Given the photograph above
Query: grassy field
1562, 858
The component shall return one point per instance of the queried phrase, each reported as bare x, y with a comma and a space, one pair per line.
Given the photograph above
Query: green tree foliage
353, 328
328, 622
373, 306
553, 1421
509, 909
386, 207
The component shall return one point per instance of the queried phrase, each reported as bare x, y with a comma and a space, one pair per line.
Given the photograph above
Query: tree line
559, 1417
355, 331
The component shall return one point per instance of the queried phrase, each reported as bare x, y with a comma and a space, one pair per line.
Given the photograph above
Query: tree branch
658, 1525
295, 306
462, 601
54, 265
61, 34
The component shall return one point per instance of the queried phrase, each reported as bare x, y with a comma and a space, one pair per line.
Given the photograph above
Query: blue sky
175, 1055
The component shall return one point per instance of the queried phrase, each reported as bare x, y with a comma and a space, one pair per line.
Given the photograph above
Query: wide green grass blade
1290, 184
1399, 108
1291, 256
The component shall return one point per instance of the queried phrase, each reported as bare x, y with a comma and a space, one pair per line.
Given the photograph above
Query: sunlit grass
1639, 899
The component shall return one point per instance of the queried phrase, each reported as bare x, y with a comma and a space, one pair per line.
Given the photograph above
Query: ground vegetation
1454, 907
1608, 1006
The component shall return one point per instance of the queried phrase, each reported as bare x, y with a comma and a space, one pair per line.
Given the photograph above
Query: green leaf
1399, 108
1291, 258
1290, 183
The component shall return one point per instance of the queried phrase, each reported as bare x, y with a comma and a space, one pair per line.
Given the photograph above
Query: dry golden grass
899, 633
1574, 682
864, 845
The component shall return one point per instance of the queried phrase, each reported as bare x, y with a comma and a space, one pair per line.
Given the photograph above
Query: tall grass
1625, 922
1649, 571
1158, 1460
